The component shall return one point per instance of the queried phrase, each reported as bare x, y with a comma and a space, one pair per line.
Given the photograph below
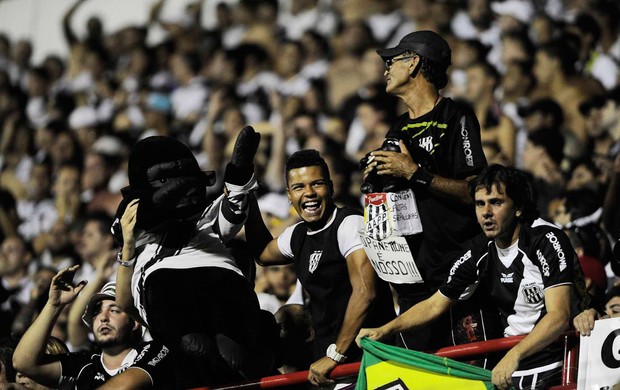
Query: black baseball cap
108, 292
426, 43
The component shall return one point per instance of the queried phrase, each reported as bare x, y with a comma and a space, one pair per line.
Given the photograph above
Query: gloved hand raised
241, 166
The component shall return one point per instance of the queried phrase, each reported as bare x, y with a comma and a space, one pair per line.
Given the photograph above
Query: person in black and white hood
176, 273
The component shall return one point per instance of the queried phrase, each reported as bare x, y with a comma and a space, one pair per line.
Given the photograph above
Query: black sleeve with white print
466, 271
465, 147
154, 358
554, 256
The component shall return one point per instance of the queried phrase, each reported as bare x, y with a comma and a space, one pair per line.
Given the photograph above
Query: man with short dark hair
525, 266
144, 365
329, 260
440, 148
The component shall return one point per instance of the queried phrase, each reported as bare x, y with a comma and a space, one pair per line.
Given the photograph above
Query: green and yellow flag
386, 367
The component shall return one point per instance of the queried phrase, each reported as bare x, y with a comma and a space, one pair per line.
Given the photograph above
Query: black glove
241, 166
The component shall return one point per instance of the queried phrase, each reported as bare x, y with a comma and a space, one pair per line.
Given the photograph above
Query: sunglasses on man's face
389, 62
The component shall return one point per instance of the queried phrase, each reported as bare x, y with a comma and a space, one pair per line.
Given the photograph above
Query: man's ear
416, 68
519, 213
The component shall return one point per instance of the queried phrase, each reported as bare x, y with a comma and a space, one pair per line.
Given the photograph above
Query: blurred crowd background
541, 75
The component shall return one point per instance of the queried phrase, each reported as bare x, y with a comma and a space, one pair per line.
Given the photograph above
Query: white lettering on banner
558, 248
469, 157
599, 356
391, 259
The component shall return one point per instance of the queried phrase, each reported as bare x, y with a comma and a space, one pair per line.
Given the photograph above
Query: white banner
599, 356
391, 259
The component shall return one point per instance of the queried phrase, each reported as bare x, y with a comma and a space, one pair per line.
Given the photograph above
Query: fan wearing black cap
175, 271
440, 149
123, 355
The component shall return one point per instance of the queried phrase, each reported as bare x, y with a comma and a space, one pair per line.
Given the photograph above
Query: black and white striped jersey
516, 278
221, 221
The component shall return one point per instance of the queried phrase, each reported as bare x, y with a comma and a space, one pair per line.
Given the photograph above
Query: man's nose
309, 191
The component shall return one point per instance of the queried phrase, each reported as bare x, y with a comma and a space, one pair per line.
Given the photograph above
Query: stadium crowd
541, 76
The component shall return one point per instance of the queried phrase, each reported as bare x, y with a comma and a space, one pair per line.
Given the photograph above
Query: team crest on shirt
427, 143
532, 294
507, 278
315, 257
99, 377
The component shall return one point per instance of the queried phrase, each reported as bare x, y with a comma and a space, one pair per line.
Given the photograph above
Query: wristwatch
334, 355
129, 263
421, 178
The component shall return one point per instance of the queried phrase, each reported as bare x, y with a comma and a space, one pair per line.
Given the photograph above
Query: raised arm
128, 253
66, 24
239, 181
28, 357
262, 244
362, 277
557, 303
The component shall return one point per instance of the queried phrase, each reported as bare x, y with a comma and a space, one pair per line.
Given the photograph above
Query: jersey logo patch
99, 377
507, 278
533, 294
427, 143
315, 257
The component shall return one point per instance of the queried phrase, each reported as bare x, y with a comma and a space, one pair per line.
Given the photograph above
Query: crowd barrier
570, 341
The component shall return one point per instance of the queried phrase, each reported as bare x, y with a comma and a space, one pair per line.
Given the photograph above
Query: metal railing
569, 373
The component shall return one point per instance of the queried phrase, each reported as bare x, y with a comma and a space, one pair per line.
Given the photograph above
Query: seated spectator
96, 244
277, 285
586, 320
117, 334
7, 371
296, 337
15, 282
55, 248
98, 170
8, 215
41, 281
67, 190
525, 265
36, 211
497, 131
